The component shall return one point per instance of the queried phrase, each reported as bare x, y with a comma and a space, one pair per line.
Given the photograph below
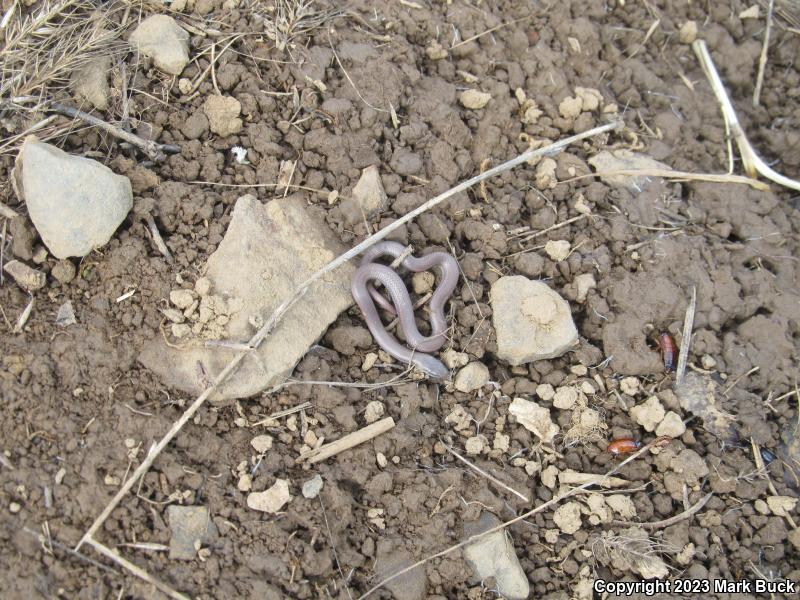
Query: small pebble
671, 426
26, 277
579, 370
261, 443
369, 361
474, 99
14, 508
180, 330
374, 411
380, 458
472, 377
707, 362
545, 391
455, 360
475, 444
63, 271
565, 397
557, 250
202, 286
587, 388
183, 299
312, 487
245, 483
629, 386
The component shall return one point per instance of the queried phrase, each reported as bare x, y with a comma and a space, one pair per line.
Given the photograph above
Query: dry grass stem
156, 235
752, 162
278, 314
677, 175
285, 21
672, 520
136, 570
24, 316
480, 471
686, 339
762, 61
43, 48
333, 548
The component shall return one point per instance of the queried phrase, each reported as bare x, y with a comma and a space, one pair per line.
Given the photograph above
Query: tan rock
567, 517
557, 250
271, 500
160, 37
223, 114
648, 414
532, 321
268, 250
534, 418
474, 99
472, 377
27, 278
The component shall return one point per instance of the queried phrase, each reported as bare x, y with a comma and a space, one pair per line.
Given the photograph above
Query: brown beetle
669, 351
623, 446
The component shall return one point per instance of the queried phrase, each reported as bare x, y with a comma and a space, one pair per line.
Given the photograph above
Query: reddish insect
624, 446
669, 351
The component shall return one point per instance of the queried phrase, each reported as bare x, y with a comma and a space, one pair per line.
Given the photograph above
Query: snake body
419, 345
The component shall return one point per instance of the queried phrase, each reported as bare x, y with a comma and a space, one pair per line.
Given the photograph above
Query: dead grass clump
632, 550
285, 21
43, 48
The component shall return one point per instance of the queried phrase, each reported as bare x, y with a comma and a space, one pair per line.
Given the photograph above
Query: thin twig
136, 570
672, 520
56, 544
351, 440
488, 31
738, 379
156, 235
24, 316
761, 468
155, 152
276, 316
333, 547
762, 61
553, 501
686, 339
491, 478
347, 75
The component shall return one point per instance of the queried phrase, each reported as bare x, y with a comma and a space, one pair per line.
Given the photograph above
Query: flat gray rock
167, 43
494, 556
392, 557
368, 198
532, 321
75, 203
268, 250
189, 524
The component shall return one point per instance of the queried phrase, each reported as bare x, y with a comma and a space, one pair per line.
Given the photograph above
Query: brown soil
72, 397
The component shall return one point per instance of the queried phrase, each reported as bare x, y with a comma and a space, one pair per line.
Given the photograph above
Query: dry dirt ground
79, 412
